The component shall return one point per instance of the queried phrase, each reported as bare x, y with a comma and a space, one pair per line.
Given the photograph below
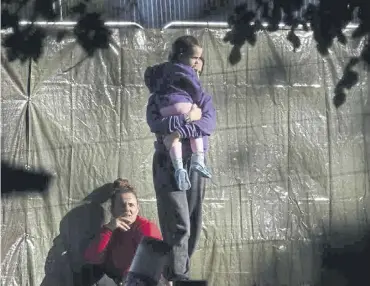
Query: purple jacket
173, 83
160, 81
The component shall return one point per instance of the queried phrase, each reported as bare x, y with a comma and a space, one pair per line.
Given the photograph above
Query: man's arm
95, 252
207, 124
167, 125
204, 126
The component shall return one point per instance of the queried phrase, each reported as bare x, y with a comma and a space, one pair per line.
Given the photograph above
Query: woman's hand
195, 113
121, 222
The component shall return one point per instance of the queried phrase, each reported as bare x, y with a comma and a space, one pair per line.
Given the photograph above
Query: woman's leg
173, 214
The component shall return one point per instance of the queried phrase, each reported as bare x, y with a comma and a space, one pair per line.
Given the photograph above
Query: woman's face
194, 59
125, 205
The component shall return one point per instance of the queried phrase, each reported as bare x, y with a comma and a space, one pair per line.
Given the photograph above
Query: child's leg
197, 158
181, 175
176, 155
197, 145
176, 109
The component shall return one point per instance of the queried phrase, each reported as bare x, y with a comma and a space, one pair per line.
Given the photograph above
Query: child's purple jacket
179, 81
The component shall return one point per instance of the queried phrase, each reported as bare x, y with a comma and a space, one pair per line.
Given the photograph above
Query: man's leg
105, 281
195, 201
173, 213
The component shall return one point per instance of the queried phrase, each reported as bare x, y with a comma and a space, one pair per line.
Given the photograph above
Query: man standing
113, 249
179, 211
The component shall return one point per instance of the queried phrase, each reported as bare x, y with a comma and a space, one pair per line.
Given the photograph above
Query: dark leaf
91, 33
235, 55
349, 79
339, 97
25, 44
238, 38
223, 3
273, 27
304, 27
276, 16
297, 5
231, 20
61, 35
341, 38
363, 11
251, 36
365, 53
247, 17
11, 54
79, 8
310, 11
258, 26
360, 31
322, 49
295, 23
265, 11
45, 9
252, 39
241, 9
294, 39
8, 20
288, 19
352, 62
228, 36
35, 44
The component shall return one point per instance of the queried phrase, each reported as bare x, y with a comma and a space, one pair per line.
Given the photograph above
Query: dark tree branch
27, 42
327, 19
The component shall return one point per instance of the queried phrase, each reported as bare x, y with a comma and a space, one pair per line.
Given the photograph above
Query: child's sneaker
182, 179
201, 169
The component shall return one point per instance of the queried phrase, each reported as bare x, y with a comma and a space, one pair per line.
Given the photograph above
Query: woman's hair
183, 46
122, 186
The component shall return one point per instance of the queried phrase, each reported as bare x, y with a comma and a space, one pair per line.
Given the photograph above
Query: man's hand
171, 139
120, 222
195, 113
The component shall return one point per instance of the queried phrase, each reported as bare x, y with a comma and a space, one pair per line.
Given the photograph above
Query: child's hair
122, 186
183, 46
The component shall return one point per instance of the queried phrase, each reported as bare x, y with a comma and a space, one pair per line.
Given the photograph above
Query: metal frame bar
225, 25
110, 24
195, 24
173, 24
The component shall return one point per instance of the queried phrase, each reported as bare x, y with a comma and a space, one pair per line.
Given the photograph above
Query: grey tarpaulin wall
288, 167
